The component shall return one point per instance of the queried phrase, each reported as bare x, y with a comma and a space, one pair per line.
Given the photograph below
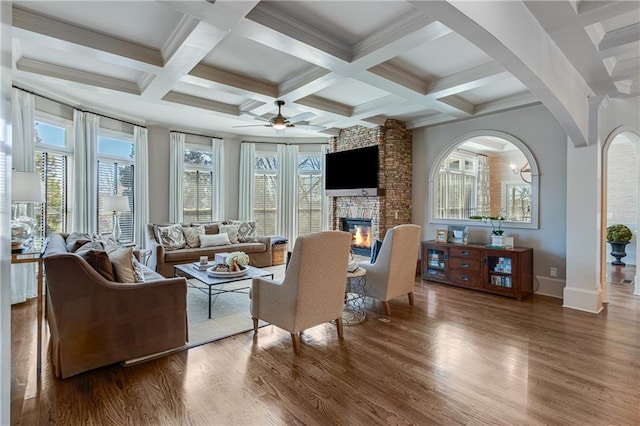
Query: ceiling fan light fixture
279, 126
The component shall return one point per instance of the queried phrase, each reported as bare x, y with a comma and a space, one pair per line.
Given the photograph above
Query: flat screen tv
353, 170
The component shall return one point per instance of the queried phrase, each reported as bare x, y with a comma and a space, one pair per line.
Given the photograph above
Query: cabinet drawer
466, 252
466, 278
470, 265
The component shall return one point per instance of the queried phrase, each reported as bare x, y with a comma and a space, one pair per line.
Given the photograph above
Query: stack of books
202, 266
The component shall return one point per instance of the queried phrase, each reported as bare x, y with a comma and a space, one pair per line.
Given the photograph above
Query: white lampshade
116, 203
26, 187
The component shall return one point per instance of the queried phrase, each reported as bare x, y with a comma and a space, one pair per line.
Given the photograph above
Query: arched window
485, 173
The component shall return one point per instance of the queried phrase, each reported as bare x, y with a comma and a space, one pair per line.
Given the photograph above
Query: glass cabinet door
435, 264
499, 272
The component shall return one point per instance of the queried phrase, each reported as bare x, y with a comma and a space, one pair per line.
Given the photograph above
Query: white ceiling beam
194, 101
63, 36
208, 76
578, 44
522, 46
429, 120
518, 100
76, 76
467, 80
221, 14
591, 12
620, 37
188, 45
458, 104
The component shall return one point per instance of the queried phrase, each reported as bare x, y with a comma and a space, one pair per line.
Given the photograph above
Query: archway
621, 193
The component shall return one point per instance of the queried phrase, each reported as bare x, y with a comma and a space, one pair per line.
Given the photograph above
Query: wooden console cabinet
507, 272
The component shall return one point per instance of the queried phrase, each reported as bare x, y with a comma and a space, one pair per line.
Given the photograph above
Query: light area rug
230, 314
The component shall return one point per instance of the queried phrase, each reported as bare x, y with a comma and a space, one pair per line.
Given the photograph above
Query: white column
582, 290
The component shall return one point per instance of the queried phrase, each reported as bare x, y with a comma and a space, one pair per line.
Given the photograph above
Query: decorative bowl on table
222, 271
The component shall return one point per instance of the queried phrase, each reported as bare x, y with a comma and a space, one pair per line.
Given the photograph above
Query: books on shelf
503, 265
501, 281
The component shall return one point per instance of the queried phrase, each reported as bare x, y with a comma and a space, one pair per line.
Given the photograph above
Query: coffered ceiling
212, 66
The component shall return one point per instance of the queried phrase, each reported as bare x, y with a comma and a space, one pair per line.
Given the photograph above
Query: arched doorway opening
621, 194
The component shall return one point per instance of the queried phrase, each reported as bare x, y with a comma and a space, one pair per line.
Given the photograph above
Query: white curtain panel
140, 184
324, 200
219, 183
85, 181
287, 221
176, 176
23, 276
247, 170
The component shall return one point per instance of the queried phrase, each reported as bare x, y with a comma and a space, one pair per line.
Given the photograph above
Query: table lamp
26, 188
116, 204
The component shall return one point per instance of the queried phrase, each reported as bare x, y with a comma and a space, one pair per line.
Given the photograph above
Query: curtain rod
287, 143
195, 134
74, 107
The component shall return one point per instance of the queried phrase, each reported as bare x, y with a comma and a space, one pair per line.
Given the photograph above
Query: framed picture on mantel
441, 235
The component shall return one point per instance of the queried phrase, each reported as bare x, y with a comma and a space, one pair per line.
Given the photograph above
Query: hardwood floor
457, 357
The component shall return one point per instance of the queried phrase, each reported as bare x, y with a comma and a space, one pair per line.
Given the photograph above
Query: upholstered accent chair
312, 291
394, 271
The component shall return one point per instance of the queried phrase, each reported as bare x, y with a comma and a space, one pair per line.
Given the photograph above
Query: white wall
542, 134
5, 166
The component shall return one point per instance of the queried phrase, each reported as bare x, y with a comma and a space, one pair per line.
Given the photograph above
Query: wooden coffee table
188, 271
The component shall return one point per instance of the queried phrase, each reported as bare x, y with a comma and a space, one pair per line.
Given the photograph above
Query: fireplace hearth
361, 231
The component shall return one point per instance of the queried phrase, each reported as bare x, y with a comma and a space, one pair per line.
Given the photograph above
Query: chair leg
255, 324
410, 298
387, 308
339, 327
295, 339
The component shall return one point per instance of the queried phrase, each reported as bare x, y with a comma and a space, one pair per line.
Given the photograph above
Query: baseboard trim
583, 299
552, 287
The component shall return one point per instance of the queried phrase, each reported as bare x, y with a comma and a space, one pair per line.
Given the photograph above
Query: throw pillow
192, 235
210, 228
124, 266
94, 255
246, 230
232, 231
172, 237
214, 240
75, 240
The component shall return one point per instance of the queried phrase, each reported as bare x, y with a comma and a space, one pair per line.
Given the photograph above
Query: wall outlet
553, 272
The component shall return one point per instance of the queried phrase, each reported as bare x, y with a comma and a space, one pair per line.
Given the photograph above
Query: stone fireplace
392, 205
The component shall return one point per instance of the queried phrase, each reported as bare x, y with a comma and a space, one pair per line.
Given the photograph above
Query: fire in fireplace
361, 230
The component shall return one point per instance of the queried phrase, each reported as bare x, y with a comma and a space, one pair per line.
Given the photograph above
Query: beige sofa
163, 260
95, 322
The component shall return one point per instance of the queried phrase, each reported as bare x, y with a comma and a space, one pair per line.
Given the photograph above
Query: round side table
354, 299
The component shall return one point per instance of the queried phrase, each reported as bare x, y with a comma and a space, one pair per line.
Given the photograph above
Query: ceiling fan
280, 122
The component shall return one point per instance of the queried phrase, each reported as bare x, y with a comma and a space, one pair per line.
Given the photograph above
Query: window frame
261, 226
188, 167
310, 173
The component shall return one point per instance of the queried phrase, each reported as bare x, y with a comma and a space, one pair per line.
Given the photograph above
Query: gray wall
542, 134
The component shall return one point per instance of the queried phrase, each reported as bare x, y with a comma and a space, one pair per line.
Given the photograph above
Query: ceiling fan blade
301, 117
256, 116
255, 125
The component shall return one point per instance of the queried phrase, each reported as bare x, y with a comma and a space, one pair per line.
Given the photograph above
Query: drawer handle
464, 253
446, 256
464, 278
464, 265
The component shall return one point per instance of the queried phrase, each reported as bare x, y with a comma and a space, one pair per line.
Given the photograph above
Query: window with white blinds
265, 199
197, 185
52, 159
115, 177
457, 188
309, 194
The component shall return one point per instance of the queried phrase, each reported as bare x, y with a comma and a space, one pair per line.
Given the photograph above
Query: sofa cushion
246, 230
126, 266
193, 254
215, 240
171, 237
232, 231
192, 235
94, 254
75, 240
210, 228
